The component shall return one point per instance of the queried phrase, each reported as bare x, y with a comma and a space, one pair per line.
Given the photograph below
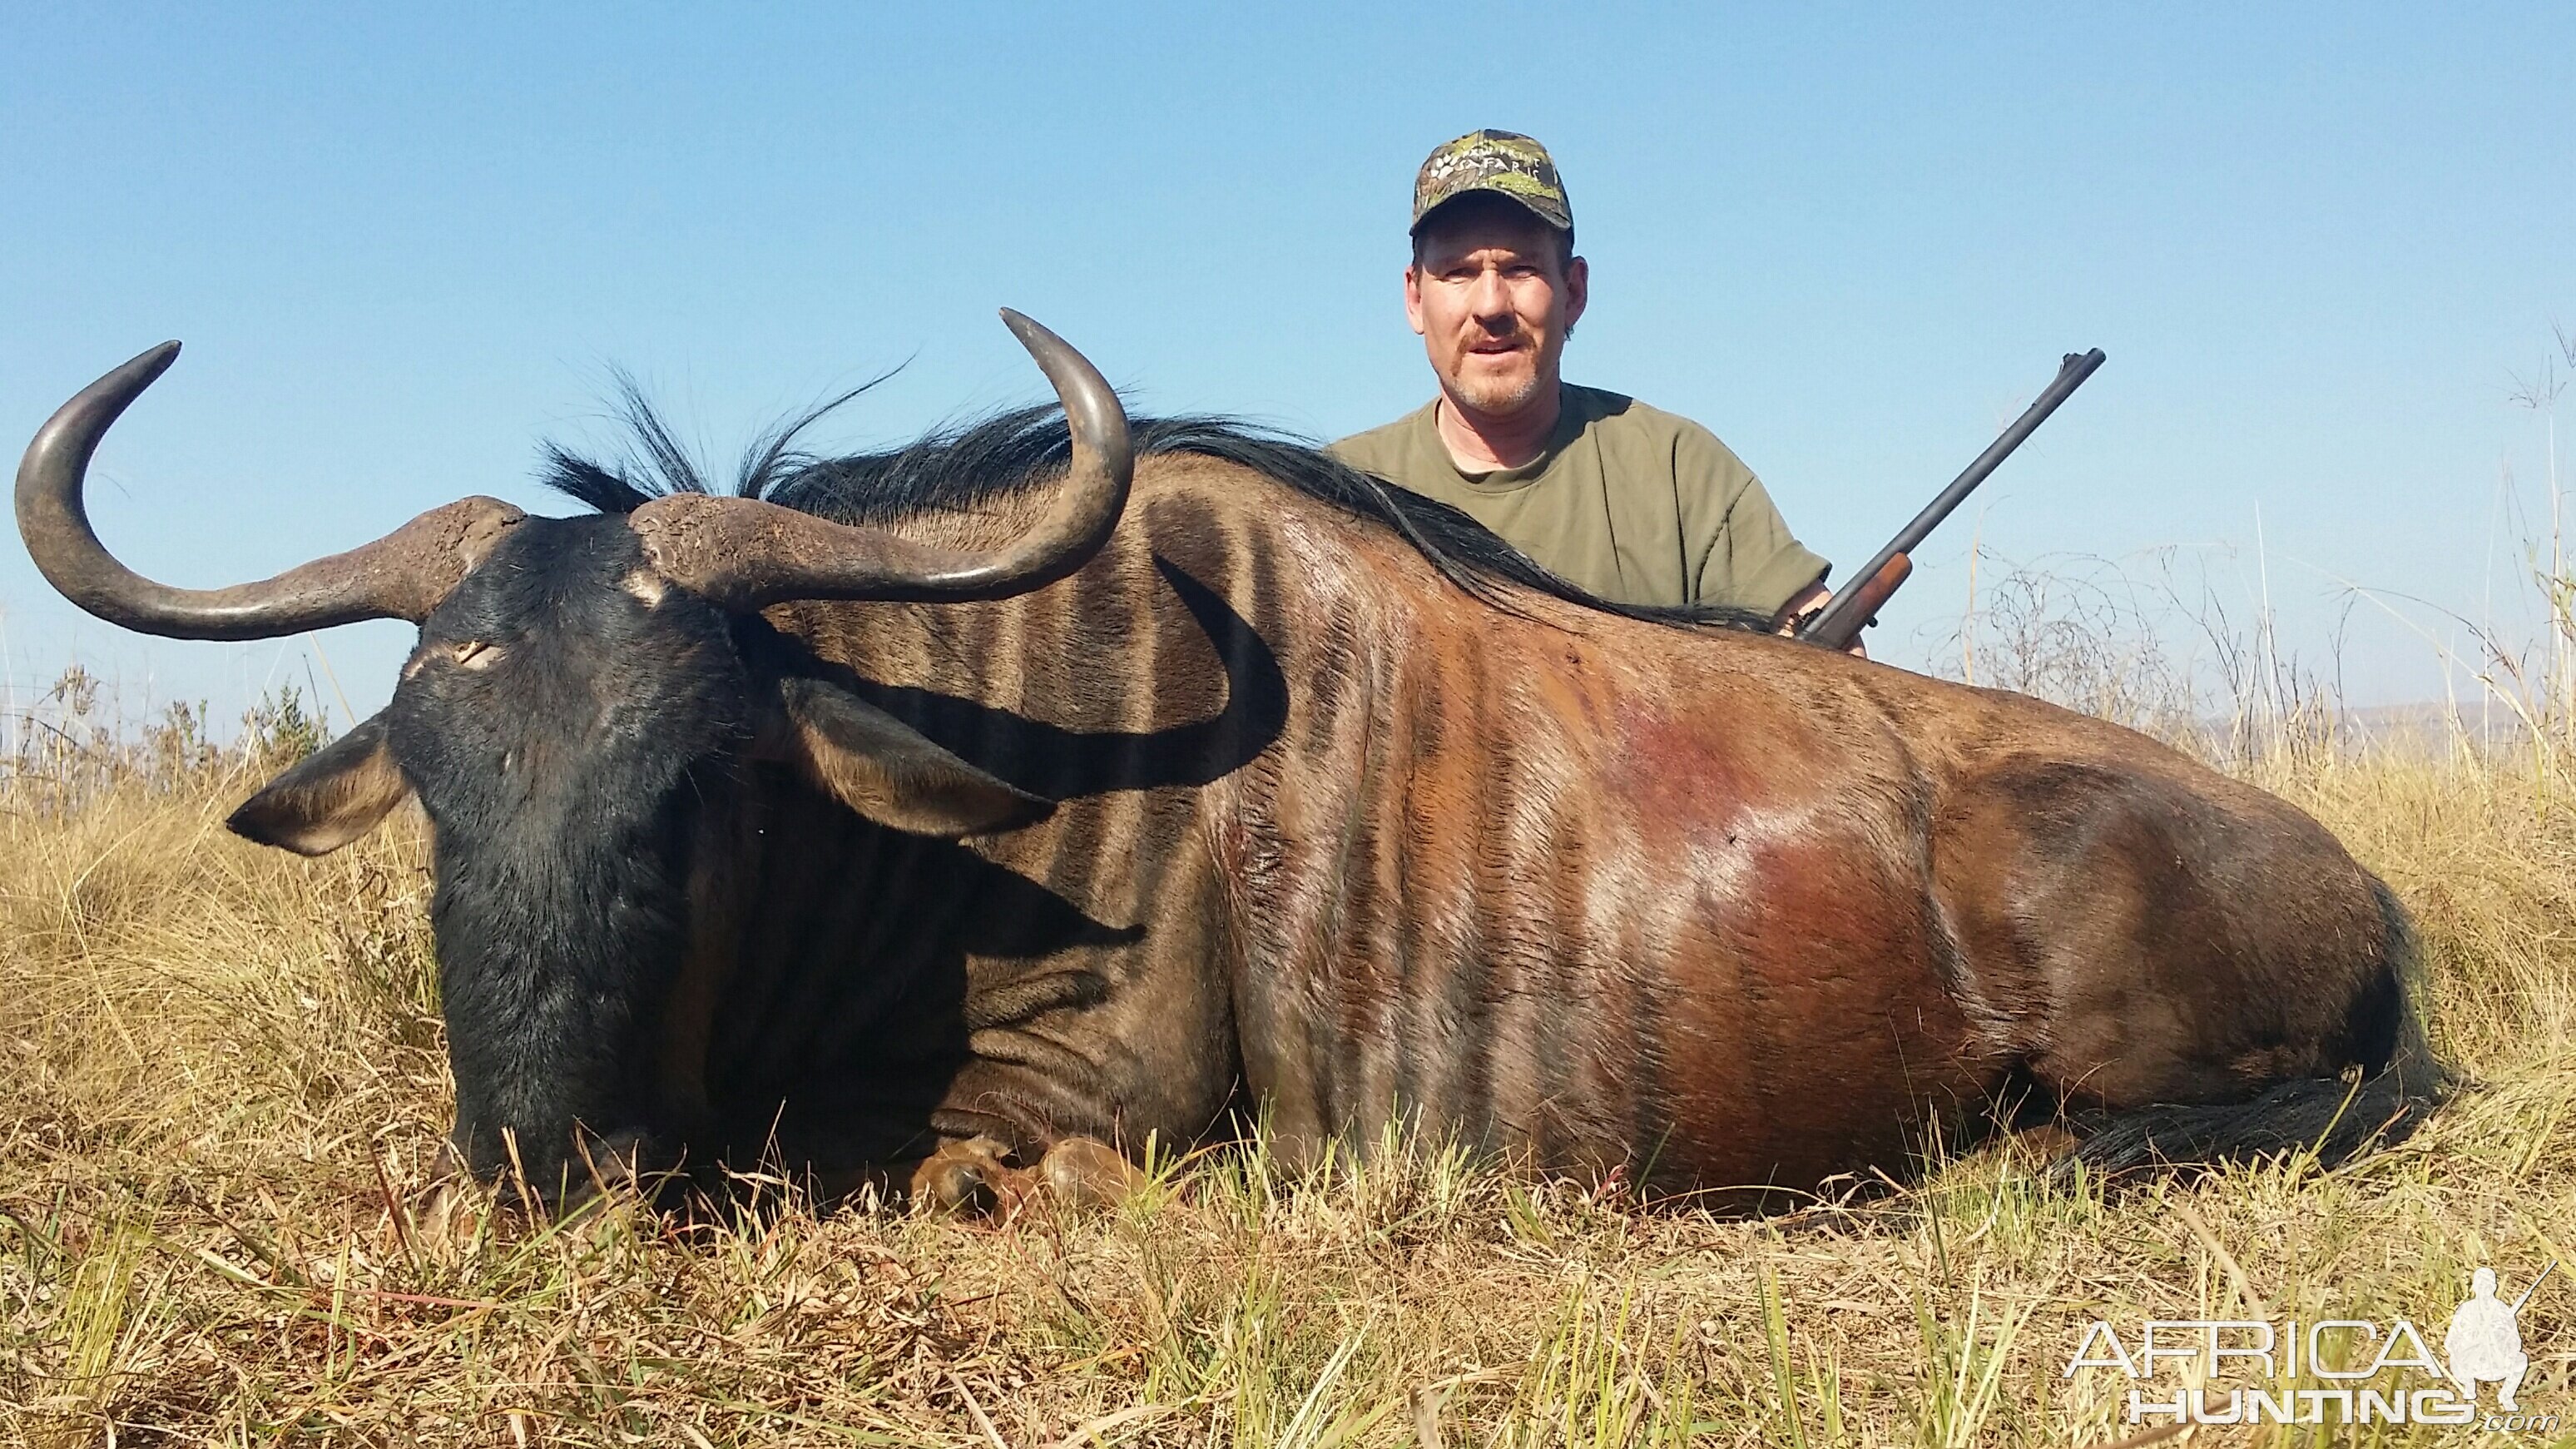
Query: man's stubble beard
1498, 397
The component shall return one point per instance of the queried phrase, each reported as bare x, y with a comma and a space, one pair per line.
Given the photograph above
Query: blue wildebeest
943, 815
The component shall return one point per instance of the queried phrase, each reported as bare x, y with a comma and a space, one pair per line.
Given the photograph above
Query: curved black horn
400, 576
747, 554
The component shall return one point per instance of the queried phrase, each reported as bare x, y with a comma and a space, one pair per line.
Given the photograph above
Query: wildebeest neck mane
1010, 452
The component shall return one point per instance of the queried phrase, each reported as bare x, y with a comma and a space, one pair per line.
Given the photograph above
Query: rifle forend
1865, 597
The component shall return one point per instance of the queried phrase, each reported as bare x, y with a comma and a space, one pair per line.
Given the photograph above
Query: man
2485, 1343
1634, 504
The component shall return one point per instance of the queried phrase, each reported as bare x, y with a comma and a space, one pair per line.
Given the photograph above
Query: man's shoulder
1633, 423
1383, 447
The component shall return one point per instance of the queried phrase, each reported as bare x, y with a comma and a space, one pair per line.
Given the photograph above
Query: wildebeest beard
549, 964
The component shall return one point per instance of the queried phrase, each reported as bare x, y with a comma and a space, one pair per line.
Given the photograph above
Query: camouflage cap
1502, 162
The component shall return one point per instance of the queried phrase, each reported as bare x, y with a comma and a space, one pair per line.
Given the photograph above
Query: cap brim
1557, 219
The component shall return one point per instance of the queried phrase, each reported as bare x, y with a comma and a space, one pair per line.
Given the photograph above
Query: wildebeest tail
2396, 1083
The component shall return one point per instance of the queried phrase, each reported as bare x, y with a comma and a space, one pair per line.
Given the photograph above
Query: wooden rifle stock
1866, 597
1839, 622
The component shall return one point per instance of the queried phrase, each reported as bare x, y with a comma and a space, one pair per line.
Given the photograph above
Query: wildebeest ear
328, 799
883, 769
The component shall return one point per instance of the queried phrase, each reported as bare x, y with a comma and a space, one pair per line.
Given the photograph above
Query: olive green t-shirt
1628, 502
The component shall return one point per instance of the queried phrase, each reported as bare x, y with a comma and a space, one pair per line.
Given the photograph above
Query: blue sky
2318, 243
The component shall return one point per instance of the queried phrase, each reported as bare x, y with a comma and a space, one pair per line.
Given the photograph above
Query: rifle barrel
2534, 1286
2071, 373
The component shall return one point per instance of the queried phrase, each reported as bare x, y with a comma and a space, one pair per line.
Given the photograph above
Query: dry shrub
225, 1085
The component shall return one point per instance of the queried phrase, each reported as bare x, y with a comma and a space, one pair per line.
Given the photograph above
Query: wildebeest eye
475, 654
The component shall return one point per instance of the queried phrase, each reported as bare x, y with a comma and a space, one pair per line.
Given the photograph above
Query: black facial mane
1002, 455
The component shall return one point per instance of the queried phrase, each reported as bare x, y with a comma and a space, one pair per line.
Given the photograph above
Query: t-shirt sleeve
1743, 554
1358, 451
1393, 452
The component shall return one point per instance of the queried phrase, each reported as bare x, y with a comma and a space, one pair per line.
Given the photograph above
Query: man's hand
1809, 602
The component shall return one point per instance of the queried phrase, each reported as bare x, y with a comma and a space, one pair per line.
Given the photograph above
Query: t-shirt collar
1569, 426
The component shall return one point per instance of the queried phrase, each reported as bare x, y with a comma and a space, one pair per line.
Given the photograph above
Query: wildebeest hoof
448, 1218
966, 1176
616, 1162
1086, 1173
450, 1207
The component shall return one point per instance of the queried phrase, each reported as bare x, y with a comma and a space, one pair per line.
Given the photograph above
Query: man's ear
881, 768
331, 798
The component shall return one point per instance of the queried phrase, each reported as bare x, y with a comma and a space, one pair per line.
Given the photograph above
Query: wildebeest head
579, 694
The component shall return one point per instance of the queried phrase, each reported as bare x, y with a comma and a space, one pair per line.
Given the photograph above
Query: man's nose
1488, 299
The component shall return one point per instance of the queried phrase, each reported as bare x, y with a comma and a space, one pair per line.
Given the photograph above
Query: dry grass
224, 1079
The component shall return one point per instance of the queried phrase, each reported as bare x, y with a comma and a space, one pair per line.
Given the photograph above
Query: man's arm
1810, 601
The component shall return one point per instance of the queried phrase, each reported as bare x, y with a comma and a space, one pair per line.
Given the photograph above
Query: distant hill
2432, 722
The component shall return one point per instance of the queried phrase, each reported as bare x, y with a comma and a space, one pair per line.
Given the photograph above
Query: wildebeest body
1257, 788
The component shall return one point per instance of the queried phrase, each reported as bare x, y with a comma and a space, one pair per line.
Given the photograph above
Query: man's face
1493, 299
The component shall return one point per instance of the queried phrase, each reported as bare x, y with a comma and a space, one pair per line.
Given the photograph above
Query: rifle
1838, 623
2533, 1287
